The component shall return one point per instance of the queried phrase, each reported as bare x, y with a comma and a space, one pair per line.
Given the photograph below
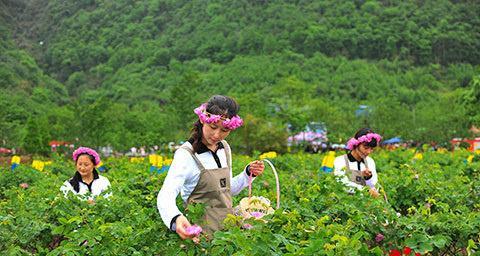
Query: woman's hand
366, 173
256, 167
373, 192
181, 229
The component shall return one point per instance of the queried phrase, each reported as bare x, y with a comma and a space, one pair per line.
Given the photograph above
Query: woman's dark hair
75, 180
364, 131
217, 105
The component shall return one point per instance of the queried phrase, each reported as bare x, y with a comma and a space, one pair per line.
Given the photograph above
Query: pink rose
194, 230
247, 226
379, 237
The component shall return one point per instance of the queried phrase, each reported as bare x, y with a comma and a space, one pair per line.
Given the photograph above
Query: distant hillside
82, 34
130, 72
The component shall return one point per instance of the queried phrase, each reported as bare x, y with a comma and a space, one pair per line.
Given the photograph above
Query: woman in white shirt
356, 169
86, 180
201, 170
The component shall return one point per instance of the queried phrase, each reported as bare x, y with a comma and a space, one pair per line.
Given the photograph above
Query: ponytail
196, 135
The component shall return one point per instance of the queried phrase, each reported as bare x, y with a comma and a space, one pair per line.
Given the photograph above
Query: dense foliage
129, 73
432, 208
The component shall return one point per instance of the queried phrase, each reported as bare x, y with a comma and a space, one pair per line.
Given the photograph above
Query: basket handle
250, 178
383, 191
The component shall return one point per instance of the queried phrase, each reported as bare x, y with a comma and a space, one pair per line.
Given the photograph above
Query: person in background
356, 169
86, 180
201, 170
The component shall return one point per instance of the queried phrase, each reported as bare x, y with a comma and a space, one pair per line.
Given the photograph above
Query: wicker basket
257, 206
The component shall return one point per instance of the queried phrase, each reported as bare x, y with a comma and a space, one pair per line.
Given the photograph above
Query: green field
434, 213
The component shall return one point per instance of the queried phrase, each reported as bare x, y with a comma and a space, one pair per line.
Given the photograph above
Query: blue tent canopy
392, 140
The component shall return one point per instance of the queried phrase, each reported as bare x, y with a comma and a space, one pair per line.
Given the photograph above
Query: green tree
37, 135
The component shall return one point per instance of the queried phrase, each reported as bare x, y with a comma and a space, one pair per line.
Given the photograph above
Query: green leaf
377, 251
439, 241
58, 230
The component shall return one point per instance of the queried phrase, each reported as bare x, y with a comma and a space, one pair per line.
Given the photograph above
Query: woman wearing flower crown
356, 169
86, 179
201, 170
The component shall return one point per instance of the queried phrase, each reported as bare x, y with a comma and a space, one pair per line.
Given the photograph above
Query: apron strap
227, 153
197, 161
347, 163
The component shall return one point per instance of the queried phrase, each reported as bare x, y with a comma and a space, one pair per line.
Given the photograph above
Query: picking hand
182, 225
366, 173
373, 192
256, 167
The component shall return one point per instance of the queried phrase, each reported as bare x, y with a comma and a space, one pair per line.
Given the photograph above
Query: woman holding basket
201, 170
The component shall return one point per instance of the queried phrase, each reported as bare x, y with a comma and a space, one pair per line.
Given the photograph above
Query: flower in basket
257, 215
255, 206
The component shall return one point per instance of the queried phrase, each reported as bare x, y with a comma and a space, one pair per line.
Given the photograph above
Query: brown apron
213, 189
354, 175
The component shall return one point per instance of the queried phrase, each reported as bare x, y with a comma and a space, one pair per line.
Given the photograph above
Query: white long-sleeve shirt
339, 171
183, 177
97, 186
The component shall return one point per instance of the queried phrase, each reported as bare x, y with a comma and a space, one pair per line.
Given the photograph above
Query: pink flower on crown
233, 123
229, 123
200, 109
205, 116
89, 151
352, 143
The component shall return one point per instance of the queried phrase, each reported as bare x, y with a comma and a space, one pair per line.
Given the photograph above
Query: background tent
392, 140
308, 136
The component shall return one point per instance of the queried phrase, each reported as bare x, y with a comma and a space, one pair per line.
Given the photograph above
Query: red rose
417, 254
395, 253
407, 250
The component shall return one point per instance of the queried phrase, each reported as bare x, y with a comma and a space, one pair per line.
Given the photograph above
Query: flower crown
352, 143
229, 123
89, 151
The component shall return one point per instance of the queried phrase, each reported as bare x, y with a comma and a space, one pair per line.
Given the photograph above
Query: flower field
433, 208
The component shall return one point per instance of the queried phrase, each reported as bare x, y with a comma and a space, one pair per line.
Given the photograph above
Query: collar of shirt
353, 159
96, 187
203, 149
89, 186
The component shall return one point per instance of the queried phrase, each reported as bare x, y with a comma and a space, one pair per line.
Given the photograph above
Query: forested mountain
130, 72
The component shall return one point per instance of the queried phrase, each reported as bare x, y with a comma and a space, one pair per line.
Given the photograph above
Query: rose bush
436, 213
